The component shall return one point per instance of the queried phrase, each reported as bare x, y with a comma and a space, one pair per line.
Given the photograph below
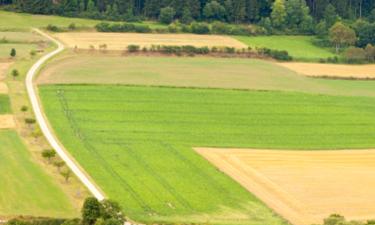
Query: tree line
232, 11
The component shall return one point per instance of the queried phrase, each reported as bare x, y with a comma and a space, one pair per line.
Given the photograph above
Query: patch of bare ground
333, 70
7, 122
120, 41
304, 187
3, 68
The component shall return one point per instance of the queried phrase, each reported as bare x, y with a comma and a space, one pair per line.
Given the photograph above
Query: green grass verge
25, 189
300, 47
137, 142
24, 21
194, 72
20, 37
22, 49
4, 104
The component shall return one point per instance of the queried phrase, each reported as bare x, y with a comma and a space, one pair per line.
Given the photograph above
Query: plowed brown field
304, 186
334, 70
120, 41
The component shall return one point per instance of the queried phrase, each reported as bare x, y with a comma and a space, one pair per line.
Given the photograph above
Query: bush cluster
336, 219
192, 50
123, 27
281, 55
195, 28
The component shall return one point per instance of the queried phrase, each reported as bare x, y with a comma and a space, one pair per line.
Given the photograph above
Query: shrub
199, 28
35, 221
30, 121
13, 52
133, 48
276, 54
220, 28
48, 154
72, 26
355, 55
24, 108
53, 28
142, 29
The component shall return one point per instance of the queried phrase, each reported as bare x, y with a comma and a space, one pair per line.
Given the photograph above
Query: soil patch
7, 122
304, 186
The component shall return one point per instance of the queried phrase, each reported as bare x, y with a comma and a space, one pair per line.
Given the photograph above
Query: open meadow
29, 185
201, 72
300, 48
25, 188
24, 21
152, 130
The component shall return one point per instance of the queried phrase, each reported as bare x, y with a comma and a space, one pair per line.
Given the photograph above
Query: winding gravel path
31, 90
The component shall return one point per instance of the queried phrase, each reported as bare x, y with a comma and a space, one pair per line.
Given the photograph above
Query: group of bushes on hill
93, 213
189, 50
336, 219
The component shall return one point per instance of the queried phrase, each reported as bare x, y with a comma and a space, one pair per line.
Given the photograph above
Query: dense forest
233, 11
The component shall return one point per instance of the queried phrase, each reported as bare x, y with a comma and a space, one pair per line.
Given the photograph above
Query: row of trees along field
234, 11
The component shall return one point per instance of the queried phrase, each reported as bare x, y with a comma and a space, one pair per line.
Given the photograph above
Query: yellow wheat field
304, 186
334, 70
119, 41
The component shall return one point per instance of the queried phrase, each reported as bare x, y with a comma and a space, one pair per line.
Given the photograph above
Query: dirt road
31, 89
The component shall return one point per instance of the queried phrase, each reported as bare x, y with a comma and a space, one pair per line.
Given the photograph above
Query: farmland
152, 130
4, 104
340, 71
193, 72
24, 21
29, 185
282, 179
300, 47
120, 41
25, 188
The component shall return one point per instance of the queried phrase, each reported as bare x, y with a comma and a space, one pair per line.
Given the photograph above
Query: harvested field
304, 186
334, 70
119, 41
7, 122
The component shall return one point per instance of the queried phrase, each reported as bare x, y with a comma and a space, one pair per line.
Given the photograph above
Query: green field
23, 50
23, 21
25, 189
110, 129
194, 72
4, 104
300, 47
17, 36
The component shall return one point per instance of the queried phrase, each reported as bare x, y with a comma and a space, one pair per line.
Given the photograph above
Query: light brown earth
120, 41
304, 186
335, 70
3, 67
7, 122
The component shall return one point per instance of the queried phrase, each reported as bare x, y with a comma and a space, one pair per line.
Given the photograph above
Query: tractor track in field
42, 121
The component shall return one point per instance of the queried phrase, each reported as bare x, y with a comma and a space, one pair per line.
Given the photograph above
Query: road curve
43, 123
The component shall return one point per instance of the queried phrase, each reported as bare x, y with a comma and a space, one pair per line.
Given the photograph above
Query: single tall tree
341, 35
90, 211
278, 15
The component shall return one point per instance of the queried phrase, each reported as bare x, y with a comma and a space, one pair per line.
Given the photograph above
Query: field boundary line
43, 122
